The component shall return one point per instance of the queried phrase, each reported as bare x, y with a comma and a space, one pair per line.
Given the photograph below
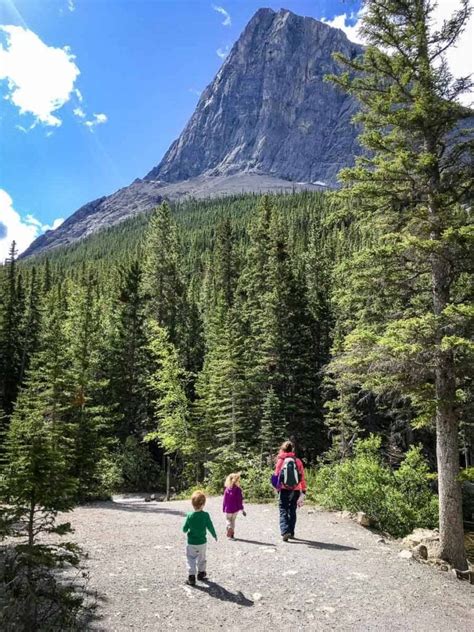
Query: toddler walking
233, 502
196, 525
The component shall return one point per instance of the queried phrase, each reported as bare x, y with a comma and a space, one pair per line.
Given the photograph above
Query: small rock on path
335, 576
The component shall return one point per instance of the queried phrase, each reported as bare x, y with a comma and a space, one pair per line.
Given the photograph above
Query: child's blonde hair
232, 479
198, 499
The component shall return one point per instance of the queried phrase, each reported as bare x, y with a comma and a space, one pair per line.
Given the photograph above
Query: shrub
255, 475
110, 476
34, 596
397, 501
139, 471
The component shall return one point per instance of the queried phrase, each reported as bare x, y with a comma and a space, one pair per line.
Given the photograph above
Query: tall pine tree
128, 357
11, 316
406, 294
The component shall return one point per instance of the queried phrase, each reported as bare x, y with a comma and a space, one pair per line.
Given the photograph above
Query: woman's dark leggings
288, 502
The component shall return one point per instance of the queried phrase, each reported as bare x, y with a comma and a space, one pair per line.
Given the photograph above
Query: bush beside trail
397, 501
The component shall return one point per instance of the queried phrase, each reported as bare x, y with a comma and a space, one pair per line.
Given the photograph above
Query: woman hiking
289, 481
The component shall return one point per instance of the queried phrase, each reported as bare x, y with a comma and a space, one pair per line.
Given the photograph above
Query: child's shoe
191, 581
202, 575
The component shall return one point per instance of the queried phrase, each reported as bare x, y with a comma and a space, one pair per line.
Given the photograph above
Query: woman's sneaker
202, 575
285, 537
191, 581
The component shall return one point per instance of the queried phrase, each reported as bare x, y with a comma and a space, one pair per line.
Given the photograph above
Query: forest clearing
335, 576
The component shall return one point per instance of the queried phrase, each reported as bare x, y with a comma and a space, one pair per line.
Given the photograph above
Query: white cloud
30, 219
14, 227
460, 58
97, 119
56, 224
79, 112
349, 23
194, 91
40, 78
78, 94
222, 52
71, 5
227, 19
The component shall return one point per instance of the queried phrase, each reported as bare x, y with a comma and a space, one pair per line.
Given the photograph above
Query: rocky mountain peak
268, 110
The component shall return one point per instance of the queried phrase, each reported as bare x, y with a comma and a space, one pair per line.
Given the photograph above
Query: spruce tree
220, 386
39, 442
279, 351
162, 281
36, 481
128, 356
405, 295
30, 326
167, 382
90, 410
10, 333
219, 407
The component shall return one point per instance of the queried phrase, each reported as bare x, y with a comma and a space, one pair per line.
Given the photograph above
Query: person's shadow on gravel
329, 546
219, 592
254, 542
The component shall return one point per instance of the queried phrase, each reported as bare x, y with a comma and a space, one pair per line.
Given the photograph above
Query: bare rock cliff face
269, 109
267, 122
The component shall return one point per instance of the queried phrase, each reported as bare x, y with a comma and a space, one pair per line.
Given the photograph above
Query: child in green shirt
196, 525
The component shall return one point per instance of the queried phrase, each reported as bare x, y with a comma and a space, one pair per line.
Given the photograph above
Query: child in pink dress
233, 502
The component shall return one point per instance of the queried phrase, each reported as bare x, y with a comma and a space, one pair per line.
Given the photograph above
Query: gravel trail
335, 576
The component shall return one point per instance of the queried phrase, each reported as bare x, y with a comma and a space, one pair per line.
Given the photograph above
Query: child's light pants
196, 556
231, 517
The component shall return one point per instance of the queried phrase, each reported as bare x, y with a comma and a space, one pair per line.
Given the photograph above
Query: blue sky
126, 74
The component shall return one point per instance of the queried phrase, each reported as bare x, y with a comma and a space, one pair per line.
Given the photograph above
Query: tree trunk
451, 528
31, 523
168, 477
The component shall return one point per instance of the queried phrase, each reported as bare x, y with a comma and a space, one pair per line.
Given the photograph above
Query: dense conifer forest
198, 328
204, 332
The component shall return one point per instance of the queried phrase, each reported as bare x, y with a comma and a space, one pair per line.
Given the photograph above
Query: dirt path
337, 576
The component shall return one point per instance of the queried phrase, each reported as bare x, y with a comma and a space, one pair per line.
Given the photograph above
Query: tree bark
31, 522
451, 528
168, 478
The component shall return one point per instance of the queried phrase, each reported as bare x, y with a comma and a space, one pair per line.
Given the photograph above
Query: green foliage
34, 598
11, 315
138, 471
36, 484
255, 479
127, 356
397, 501
467, 474
167, 383
110, 476
403, 296
162, 281
251, 294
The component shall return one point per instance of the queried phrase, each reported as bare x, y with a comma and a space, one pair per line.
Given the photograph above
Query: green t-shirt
195, 526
